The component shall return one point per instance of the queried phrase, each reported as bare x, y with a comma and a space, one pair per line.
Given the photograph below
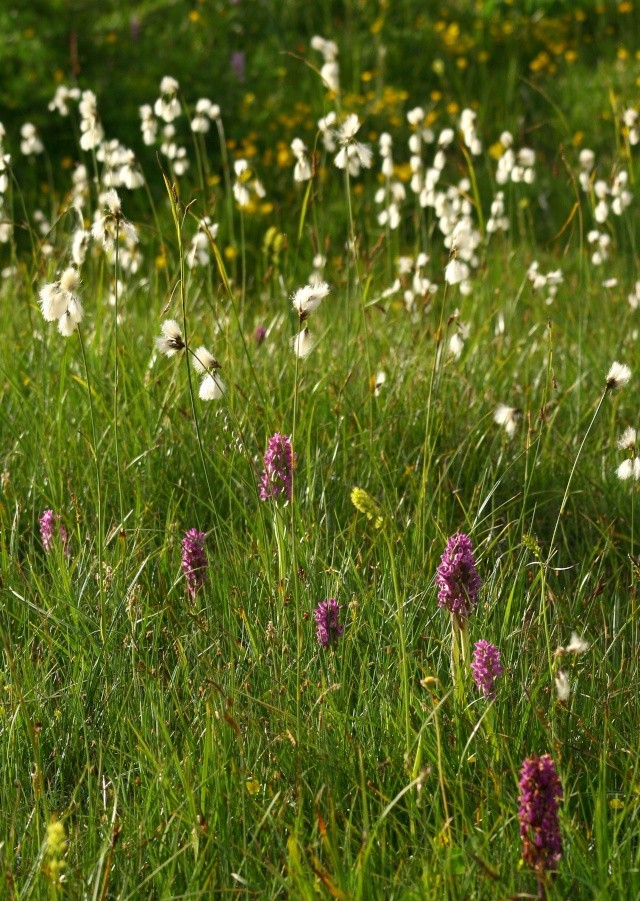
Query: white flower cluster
515, 166
302, 169
412, 281
148, 124
59, 301
507, 417
629, 468
468, 128
171, 342
619, 193
205, 113
462, 241
601, 242
5, 160
497, 221
330, 71
352, 155
109, 223
167, 106
246, 184
120, 168
92, 132
30, 143
393, 194
176, 154
211, 385
305, 301
198, 253
634, 297
586, 160
630, 119
61, 98
458, 336
549, 281
327, 129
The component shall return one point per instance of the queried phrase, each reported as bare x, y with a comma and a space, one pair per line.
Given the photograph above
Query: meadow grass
196, 743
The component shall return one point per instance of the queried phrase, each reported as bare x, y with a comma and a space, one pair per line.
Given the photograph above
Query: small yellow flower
253, 786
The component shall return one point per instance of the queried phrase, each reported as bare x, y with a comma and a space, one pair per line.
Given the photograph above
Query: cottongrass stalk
540, 794
116, 387
618, 376
183, 302
226, 172
458, 585
100, 535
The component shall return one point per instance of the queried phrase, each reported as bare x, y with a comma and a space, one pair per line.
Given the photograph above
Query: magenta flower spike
194, 561
50, 528
540, 792
457, 577
328, 628
277, 476
486, 667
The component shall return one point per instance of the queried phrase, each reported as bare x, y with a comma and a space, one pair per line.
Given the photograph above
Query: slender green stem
404, 667
100, 535
183, 303
459, 657
117, 381
573, 469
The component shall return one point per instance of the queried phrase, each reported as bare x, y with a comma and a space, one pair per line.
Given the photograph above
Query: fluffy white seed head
203, 361
302, 344
618, 376
307, 299
170, 341
211, 387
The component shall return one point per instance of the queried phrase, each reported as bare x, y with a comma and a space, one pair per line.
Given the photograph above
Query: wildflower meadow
319, 451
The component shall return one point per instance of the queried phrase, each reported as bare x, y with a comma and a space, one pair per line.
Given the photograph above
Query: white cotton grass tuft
302, 344
308, 298
618, 376
53, 302
629, 469
59, 301
72, 317
203, 361
506, 417
302, 168
211, 386
628, 439
167, 106
70, 280
563, 686
353, 155
456, 271
170, 341
577, 644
